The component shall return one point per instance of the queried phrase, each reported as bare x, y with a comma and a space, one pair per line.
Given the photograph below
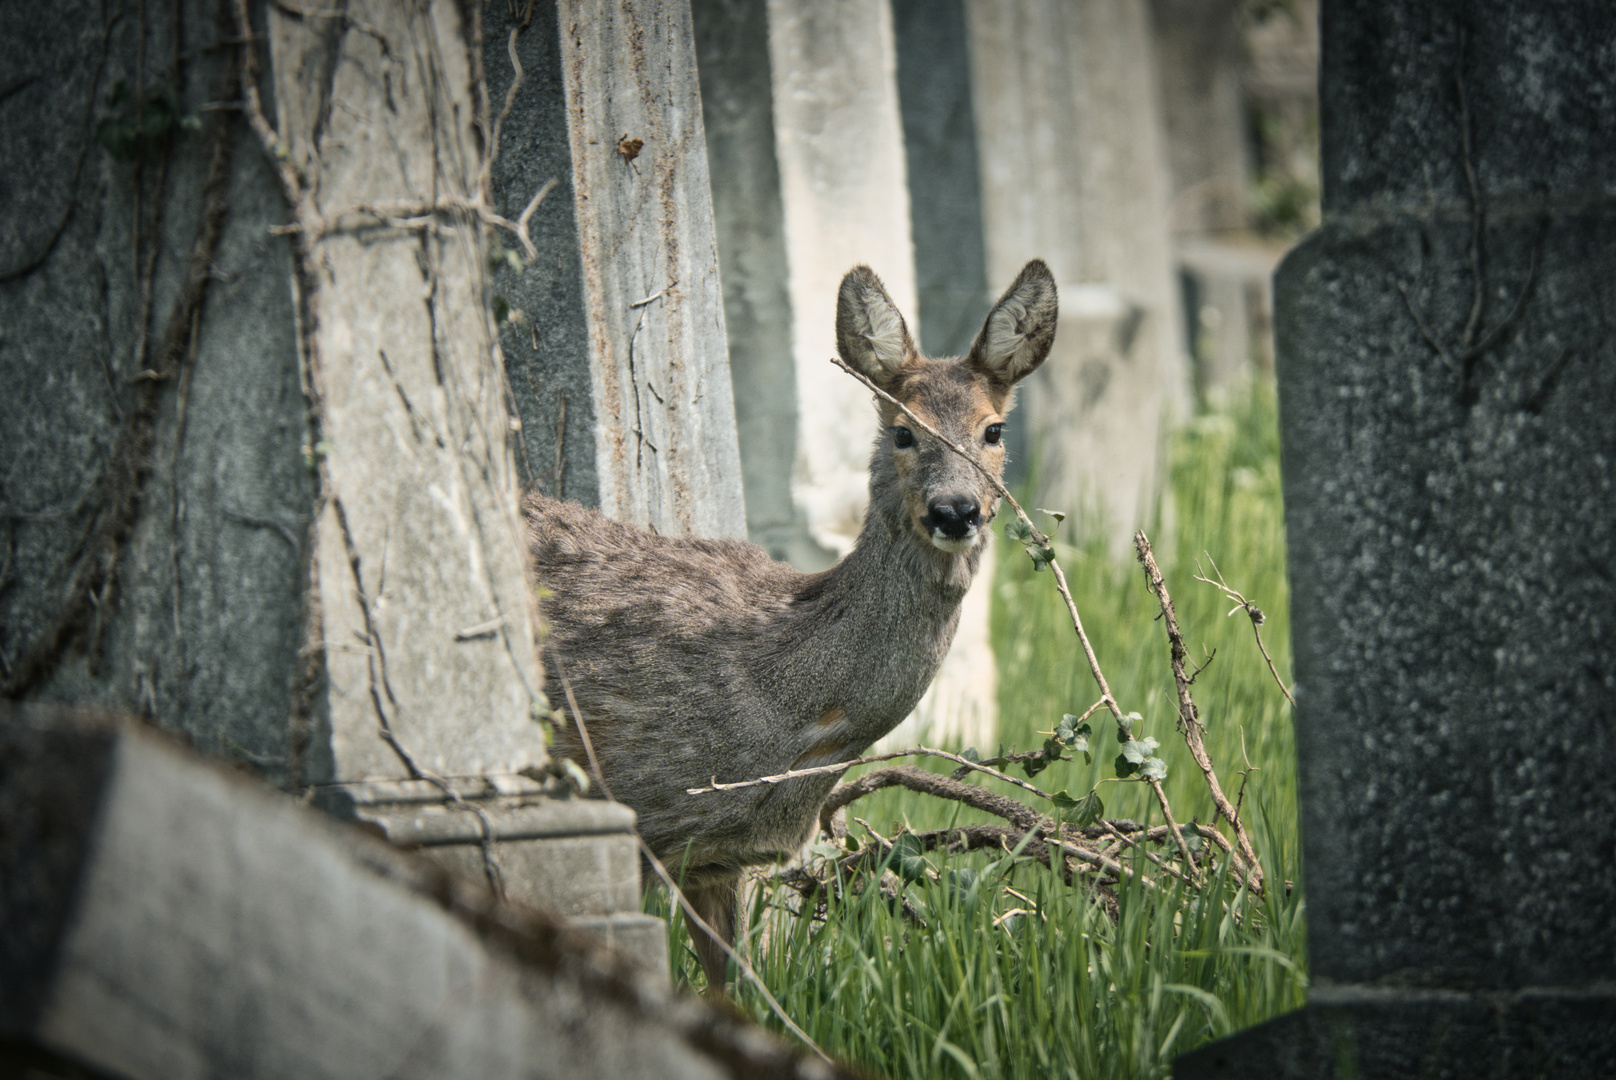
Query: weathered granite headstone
268, 484
1446, 376
199, 623
1074, 171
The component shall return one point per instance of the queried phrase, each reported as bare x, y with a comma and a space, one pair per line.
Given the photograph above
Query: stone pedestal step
575, 857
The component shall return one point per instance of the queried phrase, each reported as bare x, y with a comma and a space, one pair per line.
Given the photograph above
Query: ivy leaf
960, 883
1080, 812
1125, 727
1193, 838
908, 858
1137, 751
1089, 809
1153, 768
970, 754
1017, 530
1035, 765
1041, 557
1124, 767
1058, 515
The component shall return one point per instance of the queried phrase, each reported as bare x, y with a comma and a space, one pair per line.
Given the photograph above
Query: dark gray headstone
737, 104
945, 188
1446, 379
547, 348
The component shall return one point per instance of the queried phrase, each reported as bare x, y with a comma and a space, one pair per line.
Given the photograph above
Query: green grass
1062, 989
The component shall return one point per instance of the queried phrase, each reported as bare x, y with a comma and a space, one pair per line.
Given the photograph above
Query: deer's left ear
1019, 330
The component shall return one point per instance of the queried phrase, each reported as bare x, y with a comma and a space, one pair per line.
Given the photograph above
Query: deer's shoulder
578, 549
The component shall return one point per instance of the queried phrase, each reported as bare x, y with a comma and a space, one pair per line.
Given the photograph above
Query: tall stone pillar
1074, 170
1446, 374
616, 350
839, 141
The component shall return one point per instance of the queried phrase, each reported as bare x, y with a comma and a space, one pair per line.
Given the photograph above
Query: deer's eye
993, 434
902, 438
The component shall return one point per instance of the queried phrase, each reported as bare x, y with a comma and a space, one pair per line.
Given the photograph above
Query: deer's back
672, 649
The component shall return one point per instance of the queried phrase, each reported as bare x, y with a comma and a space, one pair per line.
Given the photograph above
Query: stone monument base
574, 857
1382, 1033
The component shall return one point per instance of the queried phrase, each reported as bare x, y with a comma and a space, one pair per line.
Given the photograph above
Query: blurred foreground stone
165, 917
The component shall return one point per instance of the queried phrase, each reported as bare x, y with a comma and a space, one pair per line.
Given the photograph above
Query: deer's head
949, 503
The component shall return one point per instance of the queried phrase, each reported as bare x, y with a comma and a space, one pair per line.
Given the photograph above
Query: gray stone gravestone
1447, 375
263, 490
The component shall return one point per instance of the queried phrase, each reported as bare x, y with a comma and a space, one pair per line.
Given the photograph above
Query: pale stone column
618, 360
1074, 170
426, 614
426, 617
839, 141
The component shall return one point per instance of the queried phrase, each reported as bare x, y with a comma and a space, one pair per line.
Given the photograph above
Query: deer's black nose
954, 517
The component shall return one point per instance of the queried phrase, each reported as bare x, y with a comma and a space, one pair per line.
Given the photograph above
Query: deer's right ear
1019, 330
870, 334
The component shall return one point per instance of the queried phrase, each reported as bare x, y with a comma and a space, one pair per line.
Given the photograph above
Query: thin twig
1254, 613
821, 770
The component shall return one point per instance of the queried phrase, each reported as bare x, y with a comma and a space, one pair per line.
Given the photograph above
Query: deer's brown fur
693, 660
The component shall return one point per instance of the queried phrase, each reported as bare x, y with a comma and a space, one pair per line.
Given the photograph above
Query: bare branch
843, 766
1189, 719
936, 784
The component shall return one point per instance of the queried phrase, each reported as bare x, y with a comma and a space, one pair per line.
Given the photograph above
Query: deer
692, 660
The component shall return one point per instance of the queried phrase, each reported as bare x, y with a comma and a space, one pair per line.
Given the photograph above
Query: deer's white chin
957, 545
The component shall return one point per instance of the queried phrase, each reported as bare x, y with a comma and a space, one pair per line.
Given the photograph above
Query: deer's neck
875, 627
